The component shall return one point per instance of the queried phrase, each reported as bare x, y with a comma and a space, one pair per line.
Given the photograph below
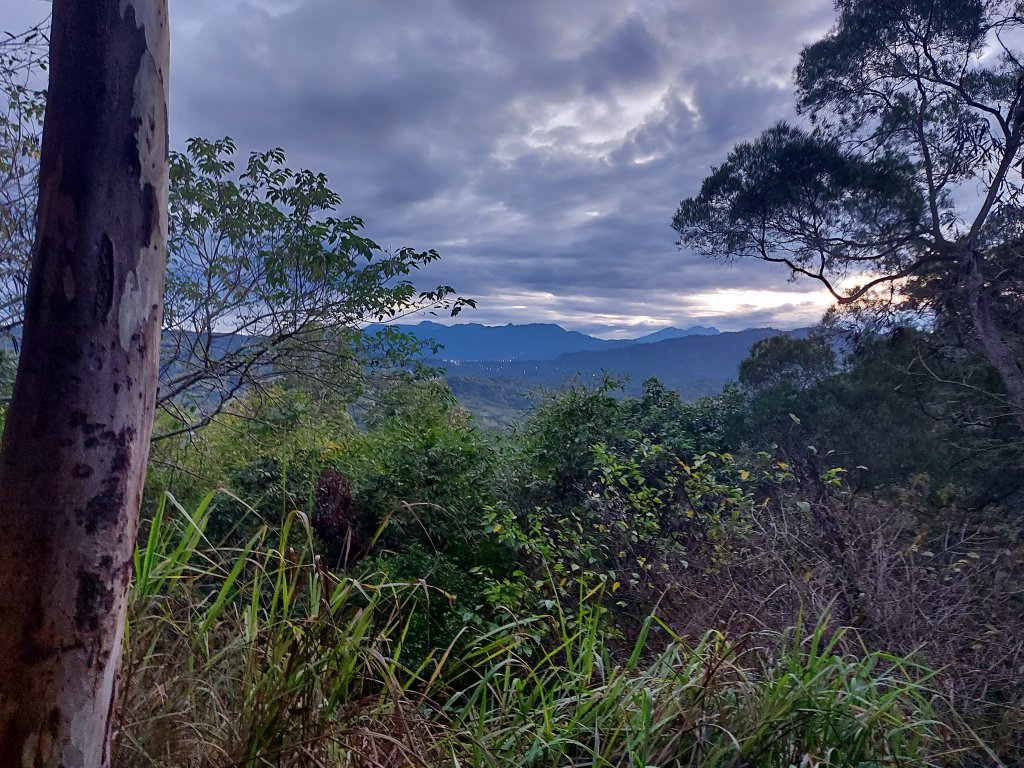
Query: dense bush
549, 569
262, 657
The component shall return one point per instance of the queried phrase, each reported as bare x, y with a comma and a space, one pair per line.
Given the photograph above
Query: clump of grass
761, 700
256, 655
259, 656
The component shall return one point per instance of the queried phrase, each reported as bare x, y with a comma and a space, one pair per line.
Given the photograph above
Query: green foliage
877, 37
260, 656
558, 440
900, 408
782, 361
550, 515
598, 572
791, 701
798, 199
893, 92
8, 367
23, 59
613, 492
442, 598
241, 655
420, 478
425, 475
424, 466
269, 450
265, 281
902, 195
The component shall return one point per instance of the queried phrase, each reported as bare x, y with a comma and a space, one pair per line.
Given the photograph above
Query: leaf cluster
266, 281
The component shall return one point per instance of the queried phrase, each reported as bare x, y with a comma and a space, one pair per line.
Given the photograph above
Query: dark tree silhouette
908, 187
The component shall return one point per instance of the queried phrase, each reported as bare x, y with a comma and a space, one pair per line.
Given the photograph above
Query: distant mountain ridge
499, 392
473, 342
694, 365
675, 333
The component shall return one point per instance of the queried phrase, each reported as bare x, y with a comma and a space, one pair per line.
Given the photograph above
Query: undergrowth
259, 655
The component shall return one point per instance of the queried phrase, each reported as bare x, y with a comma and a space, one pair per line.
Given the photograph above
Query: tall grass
259, 656
759, 701
252, 656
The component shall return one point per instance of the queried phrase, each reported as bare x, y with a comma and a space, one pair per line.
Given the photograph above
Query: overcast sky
541, 146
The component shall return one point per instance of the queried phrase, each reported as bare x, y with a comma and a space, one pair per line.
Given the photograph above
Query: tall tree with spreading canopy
74, 450
906, 188
265, 280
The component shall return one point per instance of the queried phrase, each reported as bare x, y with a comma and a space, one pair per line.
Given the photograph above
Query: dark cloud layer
540, 145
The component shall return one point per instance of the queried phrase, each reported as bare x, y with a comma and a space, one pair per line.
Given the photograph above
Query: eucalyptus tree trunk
74, 451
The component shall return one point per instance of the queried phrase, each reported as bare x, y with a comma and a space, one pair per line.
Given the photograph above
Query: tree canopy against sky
23, 59
265, 280
907, 182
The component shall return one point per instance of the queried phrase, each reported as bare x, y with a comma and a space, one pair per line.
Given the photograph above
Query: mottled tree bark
74, 451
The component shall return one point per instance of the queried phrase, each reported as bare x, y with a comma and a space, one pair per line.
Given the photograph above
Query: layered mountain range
472, 342
496, 371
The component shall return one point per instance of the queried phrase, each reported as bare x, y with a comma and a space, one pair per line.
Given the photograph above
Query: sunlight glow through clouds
729, 301
588, 127
725, 309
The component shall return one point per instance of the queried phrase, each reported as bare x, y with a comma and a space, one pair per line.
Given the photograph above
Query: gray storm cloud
542, 147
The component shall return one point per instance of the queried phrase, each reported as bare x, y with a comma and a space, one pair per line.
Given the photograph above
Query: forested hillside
252, 516
472, 342
694, 365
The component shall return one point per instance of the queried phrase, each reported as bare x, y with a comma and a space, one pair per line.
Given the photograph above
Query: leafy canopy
23, 60
904, 190
265, 280
913, 106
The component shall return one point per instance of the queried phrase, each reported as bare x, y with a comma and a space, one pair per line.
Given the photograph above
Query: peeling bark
74, 452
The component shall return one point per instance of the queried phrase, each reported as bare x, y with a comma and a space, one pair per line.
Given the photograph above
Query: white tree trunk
74, 451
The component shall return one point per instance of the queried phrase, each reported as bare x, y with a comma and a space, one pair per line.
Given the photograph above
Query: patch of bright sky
587, 127
727, 301
722, 308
